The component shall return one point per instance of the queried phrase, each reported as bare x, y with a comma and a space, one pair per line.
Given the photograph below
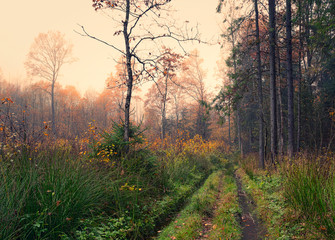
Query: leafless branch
86, 34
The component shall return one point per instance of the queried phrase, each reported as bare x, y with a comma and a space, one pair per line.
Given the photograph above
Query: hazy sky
22, 21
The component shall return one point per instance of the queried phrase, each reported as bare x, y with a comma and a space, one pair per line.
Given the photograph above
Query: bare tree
193, 76
48, 53
169, 63
138, 20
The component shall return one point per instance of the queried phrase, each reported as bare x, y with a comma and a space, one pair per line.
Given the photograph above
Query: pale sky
21, 21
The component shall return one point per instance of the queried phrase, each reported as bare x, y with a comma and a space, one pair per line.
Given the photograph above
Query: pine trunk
273, 99
290, 103
260, 94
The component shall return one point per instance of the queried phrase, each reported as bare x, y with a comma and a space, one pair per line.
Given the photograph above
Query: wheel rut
252, 229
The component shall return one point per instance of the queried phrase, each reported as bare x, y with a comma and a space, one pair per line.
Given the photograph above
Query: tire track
251, 227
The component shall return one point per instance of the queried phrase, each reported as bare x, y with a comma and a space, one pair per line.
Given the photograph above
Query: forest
157, 154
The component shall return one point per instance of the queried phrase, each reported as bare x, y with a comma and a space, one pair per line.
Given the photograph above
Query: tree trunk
290, 103
239, 130
260, 93
273, 100
239, 137
164, 106
53, 123
163, 117
280, 117
229, 136
129, 78
299, 83
280, 121
176, 113
163, 123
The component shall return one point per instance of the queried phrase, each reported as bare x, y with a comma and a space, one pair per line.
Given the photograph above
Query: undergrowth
309, 184
58, 191
295, 199
47, 195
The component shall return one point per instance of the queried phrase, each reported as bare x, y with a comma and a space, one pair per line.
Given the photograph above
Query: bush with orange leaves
184, 144
183, 156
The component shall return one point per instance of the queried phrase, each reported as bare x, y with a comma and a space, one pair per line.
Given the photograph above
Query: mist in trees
48, 53
176, 102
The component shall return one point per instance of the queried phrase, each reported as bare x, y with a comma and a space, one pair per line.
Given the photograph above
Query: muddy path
252, 229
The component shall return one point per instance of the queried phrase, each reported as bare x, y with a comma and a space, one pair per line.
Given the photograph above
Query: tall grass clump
310, 187
15, 188
47, 195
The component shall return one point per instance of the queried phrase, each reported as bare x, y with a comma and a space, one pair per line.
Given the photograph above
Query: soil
251, 227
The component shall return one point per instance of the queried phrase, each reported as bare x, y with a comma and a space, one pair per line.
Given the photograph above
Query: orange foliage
183, 144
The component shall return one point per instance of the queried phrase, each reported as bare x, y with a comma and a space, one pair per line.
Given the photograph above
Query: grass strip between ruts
188, 222
225, 223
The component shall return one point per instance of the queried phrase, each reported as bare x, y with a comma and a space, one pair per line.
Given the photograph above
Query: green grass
225, 224
55, 196
310, 188
140, 224
298, 197
14, 190
281, 220
43, 197
223, 220
266, 192
138, 214
188, 223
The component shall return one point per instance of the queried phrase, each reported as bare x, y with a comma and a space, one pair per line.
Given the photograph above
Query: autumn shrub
138, 167
183, 156
249, 164
111, 143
